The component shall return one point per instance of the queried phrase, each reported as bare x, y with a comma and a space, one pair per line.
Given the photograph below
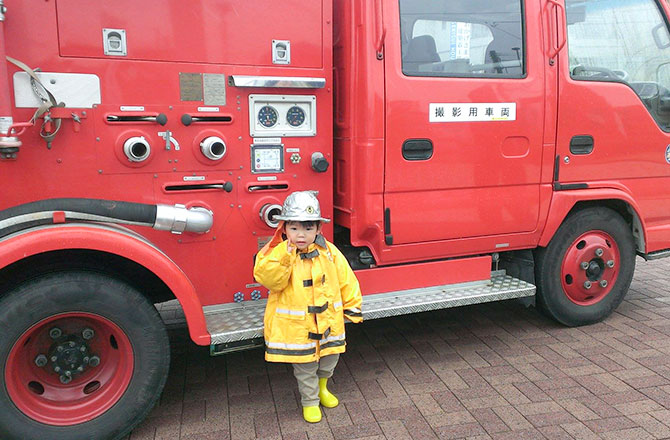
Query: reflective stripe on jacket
311, 293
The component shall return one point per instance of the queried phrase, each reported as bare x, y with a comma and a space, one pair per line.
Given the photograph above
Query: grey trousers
308, 376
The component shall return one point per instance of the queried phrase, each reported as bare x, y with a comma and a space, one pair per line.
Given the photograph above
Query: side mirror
663, 81
661, 36
575, 14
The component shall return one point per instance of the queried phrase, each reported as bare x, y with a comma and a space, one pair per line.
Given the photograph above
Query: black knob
228, 186
319, 163
186, 119
161, 119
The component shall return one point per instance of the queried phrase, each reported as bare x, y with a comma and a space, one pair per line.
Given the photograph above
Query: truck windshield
622, 41
462, 38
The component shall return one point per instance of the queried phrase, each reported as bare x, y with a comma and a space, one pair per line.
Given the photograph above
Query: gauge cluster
282, 115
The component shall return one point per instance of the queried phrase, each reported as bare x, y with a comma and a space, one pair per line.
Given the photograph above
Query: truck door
464, 118
614, 105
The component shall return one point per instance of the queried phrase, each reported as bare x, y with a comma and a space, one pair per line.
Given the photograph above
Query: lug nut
587, 284
41, 360
599, 252
80, 369
603, 283
94, 361
54, 358
610, 263
59, 348
55, 333
87, 333
71, 344
57, 369
585, 265
82, 348
66, 378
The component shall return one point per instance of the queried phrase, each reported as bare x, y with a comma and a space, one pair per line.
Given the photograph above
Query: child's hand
289, 246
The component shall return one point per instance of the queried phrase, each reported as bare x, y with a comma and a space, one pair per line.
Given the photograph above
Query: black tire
93, 294
554, 292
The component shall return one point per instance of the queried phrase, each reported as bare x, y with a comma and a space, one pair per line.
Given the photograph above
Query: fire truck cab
467, 151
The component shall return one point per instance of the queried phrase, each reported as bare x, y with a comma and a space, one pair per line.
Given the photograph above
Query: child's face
301, 236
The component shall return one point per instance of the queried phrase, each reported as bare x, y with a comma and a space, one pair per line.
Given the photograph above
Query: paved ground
495, 371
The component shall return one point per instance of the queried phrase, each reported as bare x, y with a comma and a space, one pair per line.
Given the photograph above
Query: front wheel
82, 356
586, 270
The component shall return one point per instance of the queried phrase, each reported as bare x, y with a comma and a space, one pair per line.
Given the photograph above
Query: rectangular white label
208, 109
472, 112
132, 108
266, 178
293, 150
270, 141
192, 178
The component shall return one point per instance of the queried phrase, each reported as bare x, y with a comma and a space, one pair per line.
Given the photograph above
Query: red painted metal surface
590, 268
165, 40
472, 184
488, 187
437, 273
39, 392
212, 32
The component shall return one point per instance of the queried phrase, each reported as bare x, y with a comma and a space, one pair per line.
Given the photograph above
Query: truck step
239, 326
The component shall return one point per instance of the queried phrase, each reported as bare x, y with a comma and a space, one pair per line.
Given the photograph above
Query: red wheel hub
69, 368
590, 268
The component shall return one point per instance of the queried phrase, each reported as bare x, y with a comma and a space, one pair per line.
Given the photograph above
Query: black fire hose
163, 217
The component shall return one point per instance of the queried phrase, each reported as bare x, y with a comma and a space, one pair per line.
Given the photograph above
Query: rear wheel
83, 356
586, 270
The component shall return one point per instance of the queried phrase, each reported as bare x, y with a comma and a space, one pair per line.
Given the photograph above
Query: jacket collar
320, 240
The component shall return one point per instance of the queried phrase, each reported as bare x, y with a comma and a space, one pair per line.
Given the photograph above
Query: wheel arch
108, 249
566, 203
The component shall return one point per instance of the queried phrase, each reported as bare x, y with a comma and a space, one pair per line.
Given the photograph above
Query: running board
239, 326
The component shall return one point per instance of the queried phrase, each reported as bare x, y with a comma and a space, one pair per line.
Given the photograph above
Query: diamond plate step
229, 323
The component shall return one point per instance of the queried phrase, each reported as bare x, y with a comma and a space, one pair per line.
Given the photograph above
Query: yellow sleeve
349, 288
273, 269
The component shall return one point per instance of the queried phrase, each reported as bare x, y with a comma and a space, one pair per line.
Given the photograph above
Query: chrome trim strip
656, 255
277, 82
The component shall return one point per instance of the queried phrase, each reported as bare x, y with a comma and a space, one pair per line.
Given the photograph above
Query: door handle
558, 38
417, 149
580, 145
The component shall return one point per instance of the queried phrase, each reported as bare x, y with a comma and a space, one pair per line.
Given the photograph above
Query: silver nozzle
213, 148
178, 219
137, 149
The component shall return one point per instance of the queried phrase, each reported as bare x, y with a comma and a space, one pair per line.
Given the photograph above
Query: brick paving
495, 371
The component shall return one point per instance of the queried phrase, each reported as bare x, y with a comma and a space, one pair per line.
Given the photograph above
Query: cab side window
625, 41
462, 38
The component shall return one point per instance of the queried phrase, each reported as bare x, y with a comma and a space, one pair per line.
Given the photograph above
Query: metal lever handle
160, 118
559, 36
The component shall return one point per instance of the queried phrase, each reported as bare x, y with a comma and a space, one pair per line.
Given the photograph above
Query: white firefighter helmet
301, 206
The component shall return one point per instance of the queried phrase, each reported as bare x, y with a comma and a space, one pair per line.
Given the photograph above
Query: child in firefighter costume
312, 290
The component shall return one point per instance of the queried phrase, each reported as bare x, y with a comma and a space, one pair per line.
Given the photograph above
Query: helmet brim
300, 218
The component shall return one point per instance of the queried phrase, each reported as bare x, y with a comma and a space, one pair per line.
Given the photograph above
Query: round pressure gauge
295, 116
267, 116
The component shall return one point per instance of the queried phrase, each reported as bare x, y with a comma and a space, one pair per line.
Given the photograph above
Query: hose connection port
213, 148
268, 213
137, 149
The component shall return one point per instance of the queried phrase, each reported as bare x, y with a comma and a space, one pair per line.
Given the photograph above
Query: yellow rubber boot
311, 414
326, 397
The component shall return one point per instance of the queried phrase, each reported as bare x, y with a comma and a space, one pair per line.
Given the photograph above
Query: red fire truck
467, 151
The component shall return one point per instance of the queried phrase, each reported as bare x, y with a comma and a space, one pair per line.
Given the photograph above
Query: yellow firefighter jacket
311, 292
